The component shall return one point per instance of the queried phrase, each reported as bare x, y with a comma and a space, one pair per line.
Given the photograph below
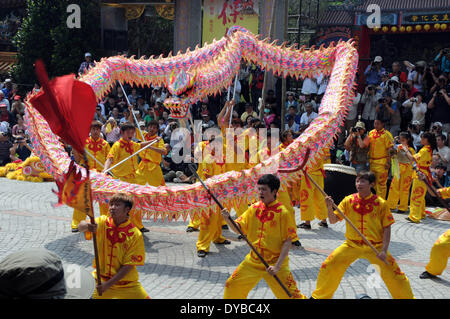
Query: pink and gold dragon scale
192, 76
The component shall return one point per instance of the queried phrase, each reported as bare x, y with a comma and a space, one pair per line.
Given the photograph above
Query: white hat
141, 123
87, 54
378, 59
7, 80
395, 79
437, 123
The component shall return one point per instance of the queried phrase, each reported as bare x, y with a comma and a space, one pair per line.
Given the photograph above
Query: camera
354, 129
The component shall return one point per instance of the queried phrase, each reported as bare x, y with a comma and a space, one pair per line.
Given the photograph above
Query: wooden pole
283, 81
239, 230
264, 89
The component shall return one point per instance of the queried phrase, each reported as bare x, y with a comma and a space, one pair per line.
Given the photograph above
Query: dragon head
180, 86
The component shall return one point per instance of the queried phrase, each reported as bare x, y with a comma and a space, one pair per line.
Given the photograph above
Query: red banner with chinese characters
220, 15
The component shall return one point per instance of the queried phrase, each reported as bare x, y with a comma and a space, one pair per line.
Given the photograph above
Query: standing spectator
115, 114
415, 131
291, 101
98, 116
293, 112
141, 105
374, 71
109, 104
5, 146
7, 88
418, 109
133, 96
393, 87
87, 64
271, 99
19, 126
443, 60
244, 75
121, 100
440, 106
269, 115
150, 116
18, 107
248, 112
389, 112
256, 85
443, 151
3, 100
357, 145
396, 71
307, 117
322, 82
370, 102
350, 120
309, 86
416, 74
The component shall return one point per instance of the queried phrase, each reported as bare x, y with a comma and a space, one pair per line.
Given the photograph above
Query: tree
44, 34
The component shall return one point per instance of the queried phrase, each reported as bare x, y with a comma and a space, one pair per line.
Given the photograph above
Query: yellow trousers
250, 272
312, 202
194, 222
439, 255
153, 177
284, 198
399, 189
133, 290
334, 267
417, 202
381, 176
210, 229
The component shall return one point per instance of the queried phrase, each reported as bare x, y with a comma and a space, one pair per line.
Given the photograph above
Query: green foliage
44, 35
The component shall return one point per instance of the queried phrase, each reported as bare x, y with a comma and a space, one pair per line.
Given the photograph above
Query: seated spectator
20, 150
133, 96
4, 100
87, 64
248, 112
374, 71
98, 116
293, 112
121, 100
416, 133
115, 114
19, 126
162, 126
396, 71
206, 122
109, 104
443, 60
255, 122
248, 122
150, 116
141, 105
443, 151
269, 115
291, 101
7, 88
159, 108
111, 131
6, 116
292, 126
17, 106
126, 117
5, 146
418, 108
307, 117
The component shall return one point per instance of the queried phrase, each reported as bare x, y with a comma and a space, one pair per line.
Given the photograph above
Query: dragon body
194, 75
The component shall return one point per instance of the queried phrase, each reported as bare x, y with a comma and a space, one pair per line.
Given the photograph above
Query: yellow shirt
444, 192
423, 160
370, 215
267, 228
380, 143
327, 157
121, 150
150, 158
117, 247
99, 149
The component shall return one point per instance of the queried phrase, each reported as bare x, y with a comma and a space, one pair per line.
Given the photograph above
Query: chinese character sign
220, 15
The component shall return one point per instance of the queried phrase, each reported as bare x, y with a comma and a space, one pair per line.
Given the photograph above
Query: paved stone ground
173, 270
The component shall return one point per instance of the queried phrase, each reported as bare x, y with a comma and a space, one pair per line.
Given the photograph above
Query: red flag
68, 105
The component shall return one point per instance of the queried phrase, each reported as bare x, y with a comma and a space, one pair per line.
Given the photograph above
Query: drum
339, 181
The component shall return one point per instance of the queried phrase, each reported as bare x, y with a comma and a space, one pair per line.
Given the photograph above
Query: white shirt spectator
418, 110
353, 109
294, 128
322, 81
306, 119
370, 104
444, 154
309, 86
411, 75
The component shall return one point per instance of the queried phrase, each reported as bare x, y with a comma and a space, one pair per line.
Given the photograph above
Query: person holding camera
414, 129
443, 60
357, 144
370, 101
21, 149
416, 73
389, 112
440, 104
396, 71
374, 71
418, 108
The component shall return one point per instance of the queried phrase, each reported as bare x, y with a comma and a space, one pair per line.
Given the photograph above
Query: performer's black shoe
75, 230
224, 226
402, 212
240, 237
297, 243
323, 224
304, 226
225, 242
144, 230
191, 229
201, 253
426, 275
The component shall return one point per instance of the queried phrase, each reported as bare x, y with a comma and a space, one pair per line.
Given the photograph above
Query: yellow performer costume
399, 189
312, 202
380, 143
210, 222
126, 171
149, 169
294, 187
441, 249
99, 149
419, 188
119, 246
267, 228
370, 215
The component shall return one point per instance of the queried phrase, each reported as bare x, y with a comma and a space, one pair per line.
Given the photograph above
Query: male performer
380, 145
126, 171
211, 222
269, 227
99, 149
283, 195
120, 249
441, 249
371, 215
312, 202
149, 169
